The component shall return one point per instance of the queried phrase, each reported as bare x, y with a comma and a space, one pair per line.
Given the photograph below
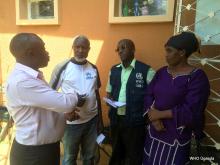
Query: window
130, 11
37, 12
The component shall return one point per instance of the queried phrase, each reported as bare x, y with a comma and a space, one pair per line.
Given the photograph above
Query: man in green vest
127, 84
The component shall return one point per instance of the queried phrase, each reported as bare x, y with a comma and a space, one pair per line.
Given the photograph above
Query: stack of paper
100, 139
115, 104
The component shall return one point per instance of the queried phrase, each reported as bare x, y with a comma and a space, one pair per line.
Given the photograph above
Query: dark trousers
48, 154
127, 144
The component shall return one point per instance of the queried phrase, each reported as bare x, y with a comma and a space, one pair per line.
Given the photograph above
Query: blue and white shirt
83, 79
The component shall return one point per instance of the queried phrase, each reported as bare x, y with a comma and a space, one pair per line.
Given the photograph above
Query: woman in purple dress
175, 102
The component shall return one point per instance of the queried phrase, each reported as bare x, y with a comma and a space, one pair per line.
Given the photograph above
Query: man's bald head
21, 42
28, 49
81, 47
81, 38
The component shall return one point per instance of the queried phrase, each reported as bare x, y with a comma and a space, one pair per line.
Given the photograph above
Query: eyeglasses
122, 47
80, 47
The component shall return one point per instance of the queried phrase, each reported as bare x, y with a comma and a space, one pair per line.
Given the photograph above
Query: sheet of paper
119, 104
115, 104
100, 138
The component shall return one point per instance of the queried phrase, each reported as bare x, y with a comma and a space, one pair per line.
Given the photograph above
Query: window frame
115, 9
22, 15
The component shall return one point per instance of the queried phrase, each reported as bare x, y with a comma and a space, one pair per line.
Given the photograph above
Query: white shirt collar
27, 69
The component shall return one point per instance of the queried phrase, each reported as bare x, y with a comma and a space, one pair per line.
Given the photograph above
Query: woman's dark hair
184, 41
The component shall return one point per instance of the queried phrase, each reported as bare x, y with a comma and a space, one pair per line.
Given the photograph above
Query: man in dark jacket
127, 83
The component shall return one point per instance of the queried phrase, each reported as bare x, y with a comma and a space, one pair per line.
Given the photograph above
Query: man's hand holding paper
115, 104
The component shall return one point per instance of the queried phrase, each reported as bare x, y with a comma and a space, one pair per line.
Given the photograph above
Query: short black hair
127, 42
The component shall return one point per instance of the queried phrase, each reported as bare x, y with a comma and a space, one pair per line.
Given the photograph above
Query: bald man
80, 75
37, 110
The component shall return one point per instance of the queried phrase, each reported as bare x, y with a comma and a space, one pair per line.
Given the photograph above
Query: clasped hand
74, 115
71, 116
153, 114
154, 117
